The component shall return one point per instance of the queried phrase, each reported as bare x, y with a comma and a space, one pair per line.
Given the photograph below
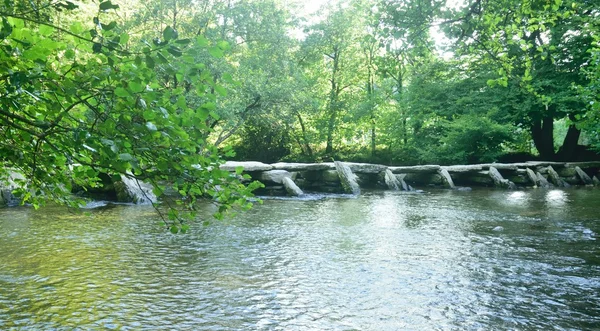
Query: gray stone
11, 181
501, 166
290, 187
596, 181
302, 166
429, 169
248, 166
555, 178
498, 229
542, 181
131, 189
584, 165
365, 168
465, 168
532, 177
517, 178
585, 179
347, 178
500, 181
274, 176
330, 176
446, 179
423, 178
566, 172
480, 178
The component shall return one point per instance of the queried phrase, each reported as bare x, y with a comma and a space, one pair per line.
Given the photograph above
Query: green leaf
221, 90
174, 229
169, 33
201, 41
149, 115
109, 26
185, 228
136, 87
126, 157
46, 30
215, 52
150, 62
174, 51
106, 5
124, 39
121, 92
183, 41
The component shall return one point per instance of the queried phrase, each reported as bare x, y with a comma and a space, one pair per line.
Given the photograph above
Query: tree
540, 49
78, 102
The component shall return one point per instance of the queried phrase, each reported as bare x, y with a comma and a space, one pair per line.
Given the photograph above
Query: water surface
485, 259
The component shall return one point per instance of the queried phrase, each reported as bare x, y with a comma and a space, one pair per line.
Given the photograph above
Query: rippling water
442, 260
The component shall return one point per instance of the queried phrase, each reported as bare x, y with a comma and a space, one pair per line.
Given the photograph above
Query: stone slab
249, 166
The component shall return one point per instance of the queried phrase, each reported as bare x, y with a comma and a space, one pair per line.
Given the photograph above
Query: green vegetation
166, 89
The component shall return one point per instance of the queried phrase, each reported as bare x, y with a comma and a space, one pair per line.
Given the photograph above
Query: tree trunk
568, 150
333, 99
542, 132
330, 128
307, 147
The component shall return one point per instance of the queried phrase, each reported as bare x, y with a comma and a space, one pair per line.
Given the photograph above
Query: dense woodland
167, 88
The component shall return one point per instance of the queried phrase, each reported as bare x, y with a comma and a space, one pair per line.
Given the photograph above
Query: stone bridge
339, 177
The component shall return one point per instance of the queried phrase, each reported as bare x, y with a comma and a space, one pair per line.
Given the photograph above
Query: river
484, 259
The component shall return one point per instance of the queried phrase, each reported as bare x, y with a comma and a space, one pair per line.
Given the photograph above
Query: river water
485, 259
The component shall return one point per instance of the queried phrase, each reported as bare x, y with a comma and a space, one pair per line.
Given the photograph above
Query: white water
140, 192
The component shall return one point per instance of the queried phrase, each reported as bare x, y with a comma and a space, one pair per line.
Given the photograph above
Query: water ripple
383, 261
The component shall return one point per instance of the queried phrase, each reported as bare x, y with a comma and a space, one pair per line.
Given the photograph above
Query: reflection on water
382, 261
556, 198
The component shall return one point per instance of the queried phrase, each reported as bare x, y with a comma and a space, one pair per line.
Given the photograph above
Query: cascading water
140, 192
395, 183
391, 181
347, 177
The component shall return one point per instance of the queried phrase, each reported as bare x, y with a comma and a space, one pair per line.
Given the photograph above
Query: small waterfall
405, 186
446, 179
137, 191
290, 187
391, 181
347, 177
394, 182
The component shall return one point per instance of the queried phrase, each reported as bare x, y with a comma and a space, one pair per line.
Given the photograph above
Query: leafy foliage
79, 102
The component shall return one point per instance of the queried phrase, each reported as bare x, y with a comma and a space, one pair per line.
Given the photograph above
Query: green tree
78, 102
540, 50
